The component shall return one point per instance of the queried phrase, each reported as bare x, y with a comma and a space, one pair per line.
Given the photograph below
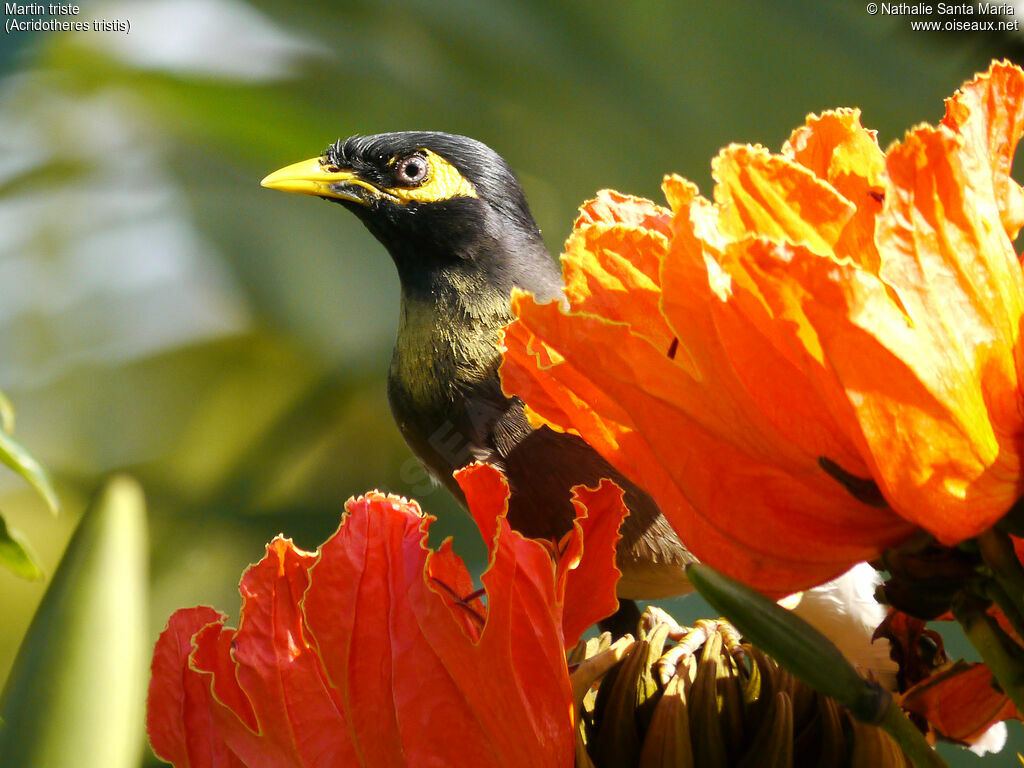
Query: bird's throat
447, 342
445, 361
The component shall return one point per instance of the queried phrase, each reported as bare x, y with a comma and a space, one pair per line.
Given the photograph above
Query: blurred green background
162, 314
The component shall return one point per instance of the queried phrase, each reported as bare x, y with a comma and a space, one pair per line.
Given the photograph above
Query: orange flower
817, 364
376, 651
960, 703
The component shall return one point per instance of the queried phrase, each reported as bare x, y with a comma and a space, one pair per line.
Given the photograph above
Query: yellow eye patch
315, 177
443, 182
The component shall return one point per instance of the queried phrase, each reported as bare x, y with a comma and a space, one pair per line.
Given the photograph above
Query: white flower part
846, 612
993, 740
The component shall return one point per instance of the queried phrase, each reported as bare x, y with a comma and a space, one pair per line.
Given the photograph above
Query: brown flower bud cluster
701, 696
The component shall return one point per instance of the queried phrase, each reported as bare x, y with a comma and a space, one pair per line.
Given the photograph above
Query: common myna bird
453, 217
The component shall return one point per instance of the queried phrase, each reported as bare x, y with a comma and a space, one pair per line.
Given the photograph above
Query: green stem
910, 739
1011, 610
994, 646
998, 553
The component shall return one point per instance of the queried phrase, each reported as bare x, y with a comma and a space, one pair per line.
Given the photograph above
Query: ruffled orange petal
569, 402
764, 195
988, 113
743, 359
836, 148
611, 207
612, 271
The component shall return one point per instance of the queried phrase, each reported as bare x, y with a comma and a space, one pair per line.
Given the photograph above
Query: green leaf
76, 693
15, 554
18, 459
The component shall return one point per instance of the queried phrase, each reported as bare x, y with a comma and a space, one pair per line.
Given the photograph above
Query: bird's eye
412, 169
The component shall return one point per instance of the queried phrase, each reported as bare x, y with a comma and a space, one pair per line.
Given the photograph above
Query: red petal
408, 673
269, 662
179, 721
960, 702
446, 571
373, 657
586, 570
354, 609
588, 591
487, 494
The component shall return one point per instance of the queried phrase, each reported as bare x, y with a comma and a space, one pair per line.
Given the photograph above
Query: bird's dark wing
509, 429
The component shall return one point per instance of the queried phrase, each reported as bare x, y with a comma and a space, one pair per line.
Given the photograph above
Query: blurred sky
161, 313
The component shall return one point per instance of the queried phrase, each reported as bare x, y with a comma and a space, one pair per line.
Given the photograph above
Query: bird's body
457, 226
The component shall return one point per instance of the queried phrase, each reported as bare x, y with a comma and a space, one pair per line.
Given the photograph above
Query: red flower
377, 651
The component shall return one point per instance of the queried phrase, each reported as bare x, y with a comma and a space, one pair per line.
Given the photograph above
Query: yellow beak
310, 177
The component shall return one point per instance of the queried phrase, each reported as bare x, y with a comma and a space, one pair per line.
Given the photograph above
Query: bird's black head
438, 202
